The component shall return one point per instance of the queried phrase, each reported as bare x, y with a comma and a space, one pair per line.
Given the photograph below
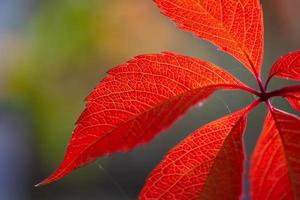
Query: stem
256, 74
251, 90
262, 89
253, 105
267, 83
269, 105
284, 91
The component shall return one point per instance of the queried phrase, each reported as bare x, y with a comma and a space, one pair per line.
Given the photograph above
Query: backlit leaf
235, 26
287, 67
206, 165
294, 99
138, 100
275, 170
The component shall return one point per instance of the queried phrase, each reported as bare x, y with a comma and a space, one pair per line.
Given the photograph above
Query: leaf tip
50, 179
42, 183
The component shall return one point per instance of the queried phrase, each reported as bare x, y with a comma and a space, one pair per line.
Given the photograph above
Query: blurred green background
54, 52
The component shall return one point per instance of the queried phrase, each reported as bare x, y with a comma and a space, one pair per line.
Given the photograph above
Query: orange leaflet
235, 26
275, 170
287, 67
206, 165
138, 100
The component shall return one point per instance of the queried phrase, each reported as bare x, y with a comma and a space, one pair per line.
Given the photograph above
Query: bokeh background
54, 52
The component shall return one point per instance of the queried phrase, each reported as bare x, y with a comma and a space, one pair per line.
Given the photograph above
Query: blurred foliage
60, 54
60, 48
62, 45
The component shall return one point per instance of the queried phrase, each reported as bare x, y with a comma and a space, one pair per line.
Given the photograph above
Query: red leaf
287, 67
138, 100
275, 170
291, 93
294, 99
235, 26
207, 165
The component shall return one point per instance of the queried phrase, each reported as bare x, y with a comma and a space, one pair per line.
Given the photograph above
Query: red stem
283, 91
269, 105
251, 90
262, 89
254, 104
257, 74
267, 83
